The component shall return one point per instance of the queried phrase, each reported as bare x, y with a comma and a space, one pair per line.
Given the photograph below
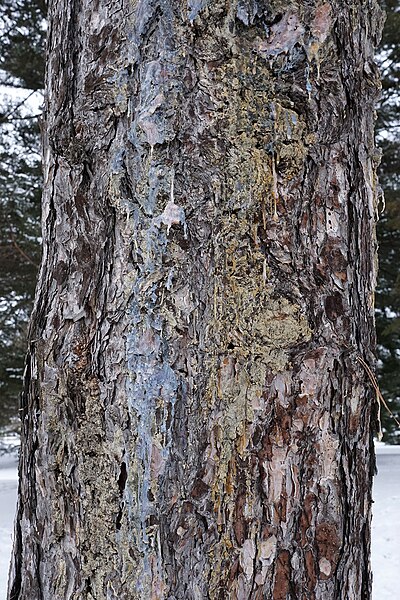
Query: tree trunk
197, 415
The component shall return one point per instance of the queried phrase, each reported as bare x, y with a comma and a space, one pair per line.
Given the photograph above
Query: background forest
22, 47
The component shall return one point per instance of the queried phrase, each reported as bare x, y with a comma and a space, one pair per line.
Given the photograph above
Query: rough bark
196, 418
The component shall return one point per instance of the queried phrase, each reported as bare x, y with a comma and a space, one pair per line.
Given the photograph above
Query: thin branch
4, 118
21, 251
24, 118
379, 397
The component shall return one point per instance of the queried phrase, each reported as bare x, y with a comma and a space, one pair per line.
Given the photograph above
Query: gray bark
196, 419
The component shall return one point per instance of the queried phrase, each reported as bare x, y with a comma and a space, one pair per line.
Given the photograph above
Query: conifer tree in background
22, 41
388, 288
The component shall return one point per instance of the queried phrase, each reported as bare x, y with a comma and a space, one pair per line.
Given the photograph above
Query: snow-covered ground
385, 525
8, 496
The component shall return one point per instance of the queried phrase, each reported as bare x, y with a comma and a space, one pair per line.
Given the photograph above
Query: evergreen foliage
22, 40
388, 288
22, 43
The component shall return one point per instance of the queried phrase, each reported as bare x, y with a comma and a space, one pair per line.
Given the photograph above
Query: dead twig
380, 399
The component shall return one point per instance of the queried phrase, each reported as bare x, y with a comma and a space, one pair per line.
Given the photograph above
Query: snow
385, 524
8, 496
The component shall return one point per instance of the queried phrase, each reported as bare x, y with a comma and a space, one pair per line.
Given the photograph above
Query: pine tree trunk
197, 420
